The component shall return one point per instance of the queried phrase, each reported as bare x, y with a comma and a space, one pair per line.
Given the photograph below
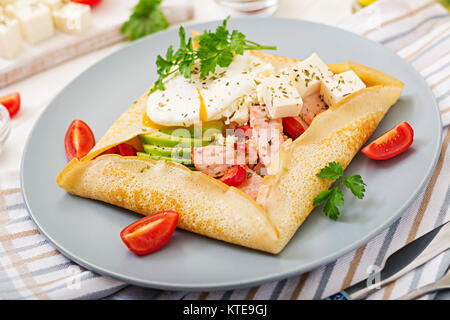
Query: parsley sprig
334, 197
214, 49
146, 18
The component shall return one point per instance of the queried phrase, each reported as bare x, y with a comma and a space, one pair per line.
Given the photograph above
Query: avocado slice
166, 140
186, 162
166, 151
207, 129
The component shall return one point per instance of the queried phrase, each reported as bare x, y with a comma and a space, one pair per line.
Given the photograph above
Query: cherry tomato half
245, 131
235, 176
391, 143
12, 103
126, 150
150, 233
292, 127
88, 2
79, 140
113, 150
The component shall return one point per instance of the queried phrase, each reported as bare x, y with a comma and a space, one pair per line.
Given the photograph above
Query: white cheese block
73, 18
280, 96
34, 18
53, 4
335, 88
11, 43
307, 75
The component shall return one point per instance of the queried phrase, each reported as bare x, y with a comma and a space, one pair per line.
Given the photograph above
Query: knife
439, 244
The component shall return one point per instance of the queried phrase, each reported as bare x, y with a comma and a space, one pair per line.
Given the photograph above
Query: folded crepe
213, 209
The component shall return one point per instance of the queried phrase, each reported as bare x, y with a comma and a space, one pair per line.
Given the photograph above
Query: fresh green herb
147, 18
214, 49
334, 197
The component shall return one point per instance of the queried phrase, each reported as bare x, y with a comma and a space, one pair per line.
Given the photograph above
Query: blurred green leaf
146, 18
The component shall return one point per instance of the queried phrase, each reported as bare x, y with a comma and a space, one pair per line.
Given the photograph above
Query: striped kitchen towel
30, 268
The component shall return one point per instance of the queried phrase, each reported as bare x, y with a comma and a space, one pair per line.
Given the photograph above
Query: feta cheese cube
241, 116
280, 96
53, 4
307, 75
11, 43
73, 18
34, 19
335, 88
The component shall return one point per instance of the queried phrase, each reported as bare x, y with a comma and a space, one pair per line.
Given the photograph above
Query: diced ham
252, 184
312, 106
259, 117
269, 142
252, 151
213, 160
260, 169
267, 133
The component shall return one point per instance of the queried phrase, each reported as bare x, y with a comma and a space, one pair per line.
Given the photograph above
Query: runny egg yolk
203, 113
146, 121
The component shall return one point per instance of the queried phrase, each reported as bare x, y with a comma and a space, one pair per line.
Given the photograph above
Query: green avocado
186, 162
166, 151
206, 131
166, 140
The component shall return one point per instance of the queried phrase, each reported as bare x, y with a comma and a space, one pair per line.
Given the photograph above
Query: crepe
213, 209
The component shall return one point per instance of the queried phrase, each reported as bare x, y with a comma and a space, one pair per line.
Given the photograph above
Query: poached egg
186, 102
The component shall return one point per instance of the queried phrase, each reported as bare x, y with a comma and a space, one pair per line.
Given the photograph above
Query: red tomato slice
113, 150
150, 233
126, 150
391, 143
79, 140
235, 176
11, 103
247, 130
88, 2
292, 127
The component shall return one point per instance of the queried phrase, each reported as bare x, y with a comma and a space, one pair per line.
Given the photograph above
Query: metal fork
441, 284
439, 244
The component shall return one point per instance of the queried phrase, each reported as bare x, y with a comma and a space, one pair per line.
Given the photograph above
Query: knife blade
439, 244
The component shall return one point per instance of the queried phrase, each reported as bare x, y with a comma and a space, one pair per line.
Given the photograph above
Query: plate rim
256, 280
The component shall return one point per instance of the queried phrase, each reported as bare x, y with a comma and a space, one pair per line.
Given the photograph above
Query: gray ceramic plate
87, 231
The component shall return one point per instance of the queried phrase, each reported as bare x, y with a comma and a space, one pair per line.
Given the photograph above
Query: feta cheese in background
73, 18
6, 2
11, 43
308, 74
280, 96
335, 88
34, 18
53, 4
